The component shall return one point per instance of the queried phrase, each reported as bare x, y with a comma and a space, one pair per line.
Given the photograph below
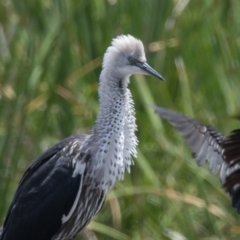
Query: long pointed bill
146, 68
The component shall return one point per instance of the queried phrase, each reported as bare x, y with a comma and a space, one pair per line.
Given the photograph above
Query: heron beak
146, 68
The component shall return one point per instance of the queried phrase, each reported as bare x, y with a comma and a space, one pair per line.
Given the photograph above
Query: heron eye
131, 60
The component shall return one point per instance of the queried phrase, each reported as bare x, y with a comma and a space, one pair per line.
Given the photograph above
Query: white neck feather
113, 141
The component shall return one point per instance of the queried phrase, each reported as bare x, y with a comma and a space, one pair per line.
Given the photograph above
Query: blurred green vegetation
50, 61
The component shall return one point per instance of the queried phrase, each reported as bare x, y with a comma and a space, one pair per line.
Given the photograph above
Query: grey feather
208, 144
204, 141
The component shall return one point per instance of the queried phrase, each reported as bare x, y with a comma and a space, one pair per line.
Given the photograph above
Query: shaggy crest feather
125, 45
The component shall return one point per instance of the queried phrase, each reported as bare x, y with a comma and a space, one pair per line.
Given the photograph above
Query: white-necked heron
66, 186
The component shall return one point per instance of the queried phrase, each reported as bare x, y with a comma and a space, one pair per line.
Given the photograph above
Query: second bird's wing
205, 142
232, 159
208, 144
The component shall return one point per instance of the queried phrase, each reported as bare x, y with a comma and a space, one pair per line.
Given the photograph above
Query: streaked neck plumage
113, 141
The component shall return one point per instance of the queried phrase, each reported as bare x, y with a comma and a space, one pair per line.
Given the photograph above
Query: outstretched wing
232, 158
47, 193
205, 142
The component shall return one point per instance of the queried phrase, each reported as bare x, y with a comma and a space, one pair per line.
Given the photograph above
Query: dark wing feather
49, 153
46, 192
205, 142
232, 158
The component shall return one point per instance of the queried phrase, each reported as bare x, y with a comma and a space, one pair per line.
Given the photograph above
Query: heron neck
112, 97
113, 141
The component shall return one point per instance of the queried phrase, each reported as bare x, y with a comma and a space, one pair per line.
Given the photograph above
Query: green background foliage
50, 60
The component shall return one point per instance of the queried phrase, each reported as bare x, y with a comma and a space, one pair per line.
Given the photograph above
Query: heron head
126, 56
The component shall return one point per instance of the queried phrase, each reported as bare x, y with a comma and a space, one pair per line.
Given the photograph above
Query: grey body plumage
207, 144
66, 186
